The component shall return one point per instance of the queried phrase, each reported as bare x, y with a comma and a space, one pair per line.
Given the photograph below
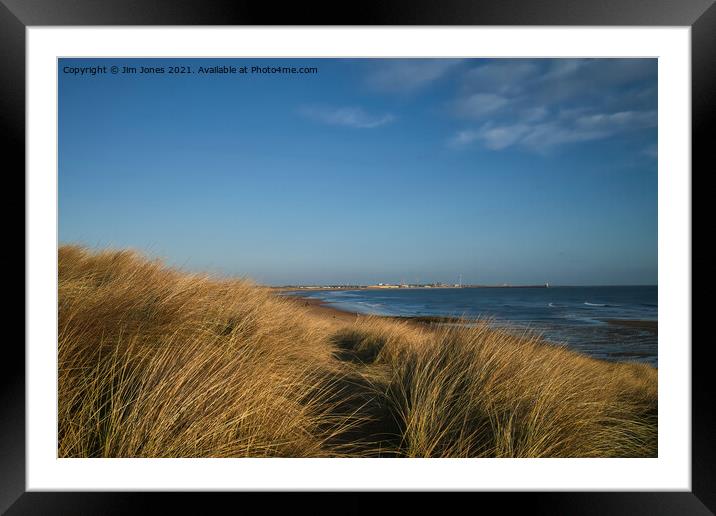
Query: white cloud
562, 68
479, 104
464, 138
497, 138
346, 116
541, 104
492, 137
406, 75
534, 114
502, 76
651, 151
620, 120
543, 136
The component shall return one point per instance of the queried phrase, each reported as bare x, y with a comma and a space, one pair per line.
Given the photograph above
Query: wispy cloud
478, 105
408, 75
651, 151
544, 136
493, 137
610, 122
540, 105
346, 116
504, 76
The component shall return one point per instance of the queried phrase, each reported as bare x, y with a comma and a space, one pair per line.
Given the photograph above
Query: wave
595, 304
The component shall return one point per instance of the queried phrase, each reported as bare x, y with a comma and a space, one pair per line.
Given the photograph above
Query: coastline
321, 308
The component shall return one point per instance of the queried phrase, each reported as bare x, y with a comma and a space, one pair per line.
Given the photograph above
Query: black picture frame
16, 15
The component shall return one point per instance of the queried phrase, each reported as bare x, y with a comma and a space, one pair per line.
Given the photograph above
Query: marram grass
155, 362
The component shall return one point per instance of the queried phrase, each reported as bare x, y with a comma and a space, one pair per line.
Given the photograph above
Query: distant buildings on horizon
410, 285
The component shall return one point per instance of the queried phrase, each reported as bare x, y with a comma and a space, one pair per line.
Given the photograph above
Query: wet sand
321, 309
652, 326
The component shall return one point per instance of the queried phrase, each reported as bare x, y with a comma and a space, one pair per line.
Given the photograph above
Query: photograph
391, 258
418, 248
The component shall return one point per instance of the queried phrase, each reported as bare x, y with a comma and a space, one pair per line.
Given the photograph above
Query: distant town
405, 286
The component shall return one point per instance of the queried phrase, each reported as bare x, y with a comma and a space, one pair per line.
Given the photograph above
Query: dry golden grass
154, 362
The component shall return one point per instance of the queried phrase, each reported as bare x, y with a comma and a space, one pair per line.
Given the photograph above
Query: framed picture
430, 248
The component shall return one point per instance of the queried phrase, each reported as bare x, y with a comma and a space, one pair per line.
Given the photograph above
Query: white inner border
672, 468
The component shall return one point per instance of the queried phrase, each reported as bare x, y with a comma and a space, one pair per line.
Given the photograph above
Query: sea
577, 317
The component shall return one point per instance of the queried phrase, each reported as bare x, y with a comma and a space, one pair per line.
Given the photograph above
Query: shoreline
321, 308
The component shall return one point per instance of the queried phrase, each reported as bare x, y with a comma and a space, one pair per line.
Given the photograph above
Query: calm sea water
574, 316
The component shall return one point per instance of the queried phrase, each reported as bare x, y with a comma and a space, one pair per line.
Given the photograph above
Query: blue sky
502, 170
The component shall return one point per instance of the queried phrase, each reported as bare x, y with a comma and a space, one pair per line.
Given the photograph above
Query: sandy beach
319, 308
